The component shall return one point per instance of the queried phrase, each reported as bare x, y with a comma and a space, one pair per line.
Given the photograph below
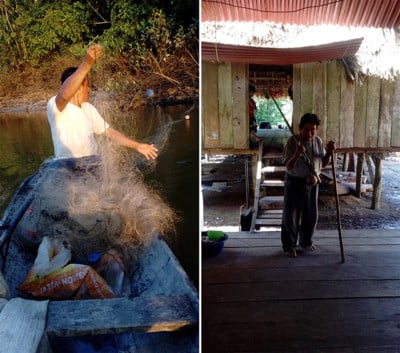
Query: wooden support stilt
359, 173
345, 165
376, 195
257, 188
370, 169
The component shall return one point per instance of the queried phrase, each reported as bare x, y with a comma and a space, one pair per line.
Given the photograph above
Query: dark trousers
300, 213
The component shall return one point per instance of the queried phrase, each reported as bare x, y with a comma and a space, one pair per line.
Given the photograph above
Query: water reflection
25, 142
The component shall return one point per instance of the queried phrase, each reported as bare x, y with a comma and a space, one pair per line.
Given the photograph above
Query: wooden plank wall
225, 122
209, 106
354, 116
395, 133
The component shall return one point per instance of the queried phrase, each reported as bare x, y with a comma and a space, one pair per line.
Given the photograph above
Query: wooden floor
255, 299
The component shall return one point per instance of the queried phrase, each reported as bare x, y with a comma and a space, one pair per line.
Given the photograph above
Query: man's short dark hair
309, 118
67, 73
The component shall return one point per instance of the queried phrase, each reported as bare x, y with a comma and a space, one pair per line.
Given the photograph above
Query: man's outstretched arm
149, 151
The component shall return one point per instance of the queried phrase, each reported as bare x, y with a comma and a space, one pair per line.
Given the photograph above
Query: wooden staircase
268, 193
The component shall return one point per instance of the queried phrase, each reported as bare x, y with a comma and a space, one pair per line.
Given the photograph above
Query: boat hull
160, 314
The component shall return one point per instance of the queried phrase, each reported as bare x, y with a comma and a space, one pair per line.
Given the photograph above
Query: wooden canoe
161, 315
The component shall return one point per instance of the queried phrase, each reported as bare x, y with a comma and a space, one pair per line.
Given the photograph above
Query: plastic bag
53, 254
50, 278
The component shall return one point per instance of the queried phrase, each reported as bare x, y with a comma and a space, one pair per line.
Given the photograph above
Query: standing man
74, 121
304, 156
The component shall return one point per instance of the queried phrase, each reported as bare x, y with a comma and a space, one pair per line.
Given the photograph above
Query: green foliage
138, 30
36, 30
60, 26
267, 110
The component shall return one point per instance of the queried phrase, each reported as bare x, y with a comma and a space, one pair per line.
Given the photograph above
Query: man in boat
74, 121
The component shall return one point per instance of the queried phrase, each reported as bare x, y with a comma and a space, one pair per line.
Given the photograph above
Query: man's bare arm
149, 151
73, 83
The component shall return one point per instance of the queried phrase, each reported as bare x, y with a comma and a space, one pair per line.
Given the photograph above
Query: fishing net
97, 205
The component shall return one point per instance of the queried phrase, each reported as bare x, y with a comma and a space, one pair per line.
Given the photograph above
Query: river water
25, 142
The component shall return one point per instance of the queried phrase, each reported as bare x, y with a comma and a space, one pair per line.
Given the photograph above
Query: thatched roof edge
377, 56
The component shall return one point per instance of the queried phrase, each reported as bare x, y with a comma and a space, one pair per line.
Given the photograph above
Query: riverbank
34, 102
28, 103
28, 89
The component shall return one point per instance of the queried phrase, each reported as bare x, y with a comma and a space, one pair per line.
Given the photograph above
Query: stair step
271, 214
268, 222
269, 218
272, 183
270, 200
273, 169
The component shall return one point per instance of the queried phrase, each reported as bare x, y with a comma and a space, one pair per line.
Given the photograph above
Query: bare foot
291, 253
311, 248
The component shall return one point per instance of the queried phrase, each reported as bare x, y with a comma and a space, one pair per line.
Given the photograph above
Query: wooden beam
227, 151
368, 150
360, 113
346, 116
385, 124
319, 97
306, 104
372, 117
225, 107
118, 315
240, 105
210, 125
296, 85
395, 112
333, 85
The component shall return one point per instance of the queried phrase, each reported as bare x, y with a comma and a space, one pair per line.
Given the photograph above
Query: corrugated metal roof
364, 13
282, 56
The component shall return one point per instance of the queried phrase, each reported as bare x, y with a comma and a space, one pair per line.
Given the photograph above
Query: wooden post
345, 165
359, 173
376, 195
257, 188
370, 170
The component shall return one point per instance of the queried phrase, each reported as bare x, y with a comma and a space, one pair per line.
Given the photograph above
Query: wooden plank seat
119, 315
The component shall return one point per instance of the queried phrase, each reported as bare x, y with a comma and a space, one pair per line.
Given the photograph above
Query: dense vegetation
150, 44
267, 110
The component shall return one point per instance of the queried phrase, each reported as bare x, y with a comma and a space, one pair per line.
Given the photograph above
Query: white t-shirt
73, 129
